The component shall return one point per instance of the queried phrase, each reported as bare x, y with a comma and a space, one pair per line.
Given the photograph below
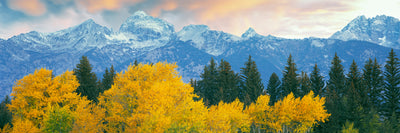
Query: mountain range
148, 39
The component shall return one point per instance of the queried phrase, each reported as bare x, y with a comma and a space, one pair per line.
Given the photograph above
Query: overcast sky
282, 18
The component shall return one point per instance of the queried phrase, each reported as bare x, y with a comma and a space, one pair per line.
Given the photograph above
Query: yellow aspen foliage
6, 129
88, 118
24, 126
259, 112
36, 96
228, 117
152, 98
297, 114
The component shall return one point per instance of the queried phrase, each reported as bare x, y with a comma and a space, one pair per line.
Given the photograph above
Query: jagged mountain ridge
382, 30
150, 39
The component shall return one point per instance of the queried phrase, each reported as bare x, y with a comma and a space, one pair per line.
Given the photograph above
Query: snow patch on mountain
193, 33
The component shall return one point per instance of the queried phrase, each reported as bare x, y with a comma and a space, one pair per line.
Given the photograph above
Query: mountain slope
148, 39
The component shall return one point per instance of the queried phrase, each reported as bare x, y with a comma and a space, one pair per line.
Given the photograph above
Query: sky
282, 18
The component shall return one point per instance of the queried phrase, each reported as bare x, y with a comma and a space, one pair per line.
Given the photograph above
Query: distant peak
249, 33
89, 21
196, 27
140, 13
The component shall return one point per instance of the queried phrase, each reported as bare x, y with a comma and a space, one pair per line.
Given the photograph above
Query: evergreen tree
317, 81
374, 83
228, 82
392, 81
272, 88
336, 80
370, 122
355, 95
252, 83
136, 63
305, 84
108, 79
334, 97
5, 114
87, 79
208, 85
290, 82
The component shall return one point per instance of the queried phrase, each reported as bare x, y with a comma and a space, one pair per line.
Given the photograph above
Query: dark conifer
392, 90
305, 84
355, 94
374, 83
317, 81
273, 88
290, 82
208, 86
252, 83
228, 82
108, 79
87, 79
5, 114
334, 97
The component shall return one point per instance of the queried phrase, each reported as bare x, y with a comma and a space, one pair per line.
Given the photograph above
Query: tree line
148, 98
363, 100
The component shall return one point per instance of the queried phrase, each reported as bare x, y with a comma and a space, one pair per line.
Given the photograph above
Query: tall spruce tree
87, 79
290, 82
374, 83
273, 88
252, 83
392, 90
305, 84
228, 82
108, 79
208, 85
336, 80
5, 114
317, 81
355, 94
334, 97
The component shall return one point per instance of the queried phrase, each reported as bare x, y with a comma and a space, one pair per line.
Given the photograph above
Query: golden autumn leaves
149, 98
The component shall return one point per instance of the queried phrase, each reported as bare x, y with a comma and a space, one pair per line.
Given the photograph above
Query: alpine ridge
148, 39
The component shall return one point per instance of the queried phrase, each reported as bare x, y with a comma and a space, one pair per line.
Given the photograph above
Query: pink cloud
94, 6
166, 5
31, 7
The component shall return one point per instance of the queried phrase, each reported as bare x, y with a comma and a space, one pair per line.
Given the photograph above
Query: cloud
284, 18
31, 7
167, 5
94, 6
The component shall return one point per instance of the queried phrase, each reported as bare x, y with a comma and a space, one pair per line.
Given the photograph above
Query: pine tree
272, 88
136, 63
334, 97
317, 81
336, 80
5, 114
392, 81
228, 82
290, 81
305, 84
208, 85
374, 83
108, 79
87, 80
252, 83
355, 94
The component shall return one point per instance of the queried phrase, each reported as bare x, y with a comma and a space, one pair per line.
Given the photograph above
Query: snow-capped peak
146, 27
249, 33
140, 13
372, 30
